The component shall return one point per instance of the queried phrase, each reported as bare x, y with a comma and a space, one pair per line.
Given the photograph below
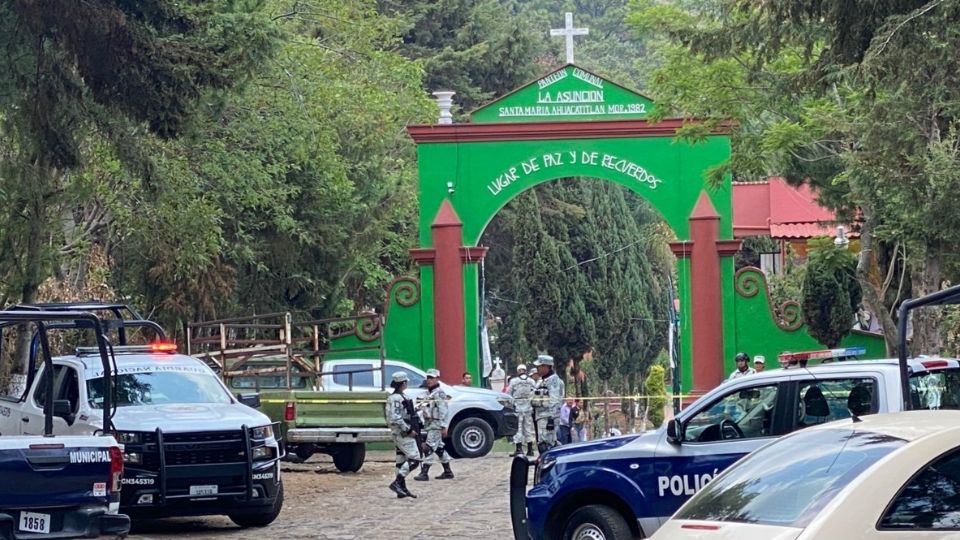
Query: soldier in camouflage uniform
547, 402
436, 418
401, 425
521, 389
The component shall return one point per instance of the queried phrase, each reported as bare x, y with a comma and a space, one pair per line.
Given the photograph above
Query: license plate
345, 437
203, 490
34, 522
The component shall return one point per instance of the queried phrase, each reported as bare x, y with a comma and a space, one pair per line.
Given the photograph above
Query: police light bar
827, 354
156, 347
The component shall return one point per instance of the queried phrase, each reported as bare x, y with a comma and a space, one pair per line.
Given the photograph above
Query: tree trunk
925, 277
871, 282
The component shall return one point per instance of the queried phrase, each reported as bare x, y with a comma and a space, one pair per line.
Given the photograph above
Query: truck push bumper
85, 522
519, 471
507, 422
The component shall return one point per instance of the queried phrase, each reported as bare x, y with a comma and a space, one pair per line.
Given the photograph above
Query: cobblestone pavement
322, 503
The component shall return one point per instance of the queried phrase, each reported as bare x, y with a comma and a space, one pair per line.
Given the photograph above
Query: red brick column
706, 302
448, 300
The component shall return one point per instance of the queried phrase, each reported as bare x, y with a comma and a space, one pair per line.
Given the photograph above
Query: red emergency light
163, 347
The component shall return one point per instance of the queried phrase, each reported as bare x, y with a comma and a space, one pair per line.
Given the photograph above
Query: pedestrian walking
547, 402
403, 422
564, 432
743, 369
436, 419
521, 388
576, 418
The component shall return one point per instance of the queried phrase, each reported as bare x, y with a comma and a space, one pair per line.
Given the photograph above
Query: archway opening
580, 268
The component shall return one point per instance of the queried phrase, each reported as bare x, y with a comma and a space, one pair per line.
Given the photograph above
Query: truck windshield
788, 482
936, 389
158, 388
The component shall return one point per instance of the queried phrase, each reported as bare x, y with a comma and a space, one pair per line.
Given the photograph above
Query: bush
655, 387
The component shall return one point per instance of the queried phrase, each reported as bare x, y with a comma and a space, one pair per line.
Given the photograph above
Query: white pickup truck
190, 446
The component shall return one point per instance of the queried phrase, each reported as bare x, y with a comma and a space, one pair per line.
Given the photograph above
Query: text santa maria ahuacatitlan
553, 159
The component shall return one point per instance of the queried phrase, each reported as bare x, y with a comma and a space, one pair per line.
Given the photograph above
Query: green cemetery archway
575, 123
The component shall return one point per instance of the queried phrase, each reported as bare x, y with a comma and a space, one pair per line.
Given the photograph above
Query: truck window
362, 376
826, 400
66, 386
160, 387
931, 500
936, 389
742, 414
416, 380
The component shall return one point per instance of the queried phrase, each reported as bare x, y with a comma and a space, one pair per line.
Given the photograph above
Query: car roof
915, 364
907, 425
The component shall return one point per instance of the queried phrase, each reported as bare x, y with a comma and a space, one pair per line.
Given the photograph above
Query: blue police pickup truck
56, 486
626, 487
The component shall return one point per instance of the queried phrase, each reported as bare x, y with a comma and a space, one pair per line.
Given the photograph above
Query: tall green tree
858, 98
80, 72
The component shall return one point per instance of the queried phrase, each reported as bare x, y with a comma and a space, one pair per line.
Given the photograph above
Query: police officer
743, 367
547, 403
521, 389
400, 413
436, 418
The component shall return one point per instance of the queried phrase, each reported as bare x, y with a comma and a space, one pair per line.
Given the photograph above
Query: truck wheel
260, 519
349, 457
305, 451
472, 438
597, 522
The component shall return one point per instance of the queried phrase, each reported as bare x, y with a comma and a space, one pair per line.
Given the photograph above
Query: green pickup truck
335, 423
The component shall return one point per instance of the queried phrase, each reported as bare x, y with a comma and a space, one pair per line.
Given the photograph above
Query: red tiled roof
780, 210
801, 230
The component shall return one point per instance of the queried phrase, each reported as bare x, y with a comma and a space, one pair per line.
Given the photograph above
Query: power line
602, 255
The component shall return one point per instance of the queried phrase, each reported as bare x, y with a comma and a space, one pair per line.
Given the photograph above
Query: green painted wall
757, 332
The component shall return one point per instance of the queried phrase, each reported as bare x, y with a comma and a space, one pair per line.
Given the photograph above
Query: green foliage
831, 293
655, 385
858, 99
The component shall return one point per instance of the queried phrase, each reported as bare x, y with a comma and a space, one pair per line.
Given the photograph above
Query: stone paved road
321, 503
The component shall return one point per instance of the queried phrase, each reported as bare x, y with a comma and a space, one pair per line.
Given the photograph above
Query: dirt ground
322, 503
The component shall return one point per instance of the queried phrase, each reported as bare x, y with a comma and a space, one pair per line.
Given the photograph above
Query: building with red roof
786, 213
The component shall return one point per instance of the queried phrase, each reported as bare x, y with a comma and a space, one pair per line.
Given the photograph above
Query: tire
597, 522
472, 438
349, 457
305, 451
260, 519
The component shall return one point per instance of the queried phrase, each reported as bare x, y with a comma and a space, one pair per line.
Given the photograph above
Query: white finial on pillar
445, 103
568, 31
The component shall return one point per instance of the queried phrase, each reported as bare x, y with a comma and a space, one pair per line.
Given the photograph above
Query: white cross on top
568, 31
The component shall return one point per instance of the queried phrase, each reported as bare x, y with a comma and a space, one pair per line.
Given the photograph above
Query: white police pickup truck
626, 487
190, 446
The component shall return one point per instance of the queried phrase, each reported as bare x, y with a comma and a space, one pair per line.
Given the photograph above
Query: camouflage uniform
546, 404
521, 388
408, 451
435, 419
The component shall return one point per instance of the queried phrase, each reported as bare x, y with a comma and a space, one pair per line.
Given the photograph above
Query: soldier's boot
403, 486
447, 473
422, 477
529, 449
519, 451
397, 488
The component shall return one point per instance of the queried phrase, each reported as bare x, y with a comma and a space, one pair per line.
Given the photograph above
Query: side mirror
675, 431
251, 400
63, 409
